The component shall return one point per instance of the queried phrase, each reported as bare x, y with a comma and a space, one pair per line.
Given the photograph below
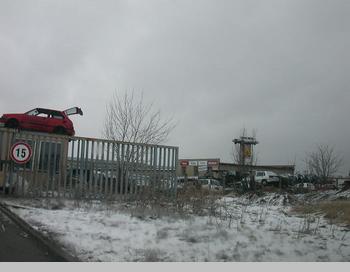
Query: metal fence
77, 167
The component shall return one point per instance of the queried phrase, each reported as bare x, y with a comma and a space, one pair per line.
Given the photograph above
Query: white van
211, 184
266, 177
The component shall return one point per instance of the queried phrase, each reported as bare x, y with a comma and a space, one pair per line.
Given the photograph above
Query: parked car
191, 180
266, 177
43, 120
304, 187
211, 184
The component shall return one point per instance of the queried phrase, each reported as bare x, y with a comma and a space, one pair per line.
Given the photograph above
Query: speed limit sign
21, 152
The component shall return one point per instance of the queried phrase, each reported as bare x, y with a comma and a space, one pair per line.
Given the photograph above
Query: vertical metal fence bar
53, 177
168, 172
86, 169
164, 180
176, 158
111, 185
41, 161
14, 172
31, 165
122, 158
76, 171
126, 169
101, 167
10, 166
107, 171
16, 169
96, 173
3, 162
24, 178
141, 175
62, 168
155, 174
28, 180
36, 161
150, 167
117, 170
134, 151
59, 166
82, 168
91, 169
72, 165
48, 166
7, 166
159, 172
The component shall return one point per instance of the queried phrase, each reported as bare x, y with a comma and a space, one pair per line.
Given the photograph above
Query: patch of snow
246, 228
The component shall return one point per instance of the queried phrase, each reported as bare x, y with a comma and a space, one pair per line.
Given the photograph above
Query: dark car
43, 120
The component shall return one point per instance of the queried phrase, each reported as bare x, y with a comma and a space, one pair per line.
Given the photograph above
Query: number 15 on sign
21, 152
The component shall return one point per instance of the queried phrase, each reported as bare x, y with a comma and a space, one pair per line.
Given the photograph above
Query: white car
266, 177
211, 184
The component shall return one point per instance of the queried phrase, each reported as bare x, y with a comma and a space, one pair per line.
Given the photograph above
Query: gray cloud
280, 67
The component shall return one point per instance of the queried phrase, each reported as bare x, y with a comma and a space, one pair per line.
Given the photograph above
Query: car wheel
264, 182
59, 130
12, 123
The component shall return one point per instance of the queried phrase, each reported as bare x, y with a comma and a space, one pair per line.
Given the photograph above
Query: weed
162, 234
152, 255
337, 211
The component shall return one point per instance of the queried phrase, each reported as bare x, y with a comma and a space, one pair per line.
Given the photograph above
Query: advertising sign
247, 150
202, 163
193, 163
183, 163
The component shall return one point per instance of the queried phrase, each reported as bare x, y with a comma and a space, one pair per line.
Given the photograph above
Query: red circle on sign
23, 158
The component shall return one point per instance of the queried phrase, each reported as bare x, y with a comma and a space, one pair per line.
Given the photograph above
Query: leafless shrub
152, 255
56, 204
222, 255
305, 225
162, 234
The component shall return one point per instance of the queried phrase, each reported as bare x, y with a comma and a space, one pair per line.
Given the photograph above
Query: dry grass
335, 211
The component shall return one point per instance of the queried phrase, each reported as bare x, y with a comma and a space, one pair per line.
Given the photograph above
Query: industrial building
213, 167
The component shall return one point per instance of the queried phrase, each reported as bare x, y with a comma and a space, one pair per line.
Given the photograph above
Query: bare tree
323, 162
130, 119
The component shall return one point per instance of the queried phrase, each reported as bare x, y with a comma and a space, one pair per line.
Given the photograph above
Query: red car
43, 120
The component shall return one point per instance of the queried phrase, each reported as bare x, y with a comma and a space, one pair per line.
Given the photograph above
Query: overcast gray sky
279, 67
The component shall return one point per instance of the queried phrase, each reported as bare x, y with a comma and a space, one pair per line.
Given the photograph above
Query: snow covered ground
241, 229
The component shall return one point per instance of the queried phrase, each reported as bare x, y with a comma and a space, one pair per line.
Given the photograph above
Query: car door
37, 121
